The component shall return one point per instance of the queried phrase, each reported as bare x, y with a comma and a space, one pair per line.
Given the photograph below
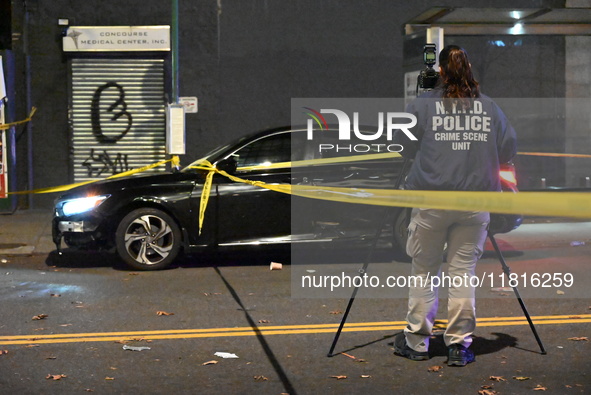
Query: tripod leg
366, 264
352, 299
507, 272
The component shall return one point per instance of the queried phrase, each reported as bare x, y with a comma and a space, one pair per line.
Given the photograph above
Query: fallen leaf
209, 363
55, 376
336, 312
361, 360
3, 352
435, 368
487, 392
89, 390
113, 368
264, 321
497, 378
365, 376
568, 386
339, 377
260, 378
66, 325
559, 292
133, 274
521, 378
486, 387
32, 345
579, 339
575, 317
109, 378
540, 388
163, 313
52, 357
40, 317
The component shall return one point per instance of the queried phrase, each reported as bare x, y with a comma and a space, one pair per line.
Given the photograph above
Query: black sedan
150, 219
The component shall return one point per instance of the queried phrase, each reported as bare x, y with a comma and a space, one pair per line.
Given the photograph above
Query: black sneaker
402, 349
460, 355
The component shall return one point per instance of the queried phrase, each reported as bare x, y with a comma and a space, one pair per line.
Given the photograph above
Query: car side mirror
228, 165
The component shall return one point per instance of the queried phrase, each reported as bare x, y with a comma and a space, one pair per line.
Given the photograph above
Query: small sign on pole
190, 103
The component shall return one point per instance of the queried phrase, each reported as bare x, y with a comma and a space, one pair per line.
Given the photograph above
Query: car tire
148, 239
400, 235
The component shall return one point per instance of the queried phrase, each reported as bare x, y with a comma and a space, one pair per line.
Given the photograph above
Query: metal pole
29, 101
175, 51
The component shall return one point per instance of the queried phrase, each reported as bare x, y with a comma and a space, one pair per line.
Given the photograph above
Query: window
272, 149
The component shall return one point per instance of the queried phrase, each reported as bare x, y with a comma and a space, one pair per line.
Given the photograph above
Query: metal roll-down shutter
117, 115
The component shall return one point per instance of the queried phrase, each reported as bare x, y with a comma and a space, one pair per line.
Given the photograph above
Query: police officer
464, 137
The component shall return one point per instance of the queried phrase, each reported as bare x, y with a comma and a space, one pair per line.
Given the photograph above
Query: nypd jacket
457, 149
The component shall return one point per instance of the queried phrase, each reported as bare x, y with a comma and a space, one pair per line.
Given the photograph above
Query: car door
250, 214
348, 221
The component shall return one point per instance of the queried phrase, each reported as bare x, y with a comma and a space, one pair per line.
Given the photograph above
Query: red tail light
508, 175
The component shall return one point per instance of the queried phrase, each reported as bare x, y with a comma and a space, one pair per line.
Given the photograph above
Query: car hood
132, 182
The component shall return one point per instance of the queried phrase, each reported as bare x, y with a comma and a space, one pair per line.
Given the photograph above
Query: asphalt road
90, 307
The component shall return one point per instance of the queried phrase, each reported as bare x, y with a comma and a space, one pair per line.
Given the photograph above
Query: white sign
175, 130
190, 103
116, 38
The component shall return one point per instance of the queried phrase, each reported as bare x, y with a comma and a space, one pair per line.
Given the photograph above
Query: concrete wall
244, 59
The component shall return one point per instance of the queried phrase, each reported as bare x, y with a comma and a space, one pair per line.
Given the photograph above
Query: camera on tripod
428, 77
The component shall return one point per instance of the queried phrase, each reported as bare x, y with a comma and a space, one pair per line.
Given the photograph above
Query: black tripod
506, 270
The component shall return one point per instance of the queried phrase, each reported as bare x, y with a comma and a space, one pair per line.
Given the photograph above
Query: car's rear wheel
148, 239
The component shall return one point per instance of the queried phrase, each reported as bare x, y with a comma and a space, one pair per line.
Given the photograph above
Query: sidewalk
26, 232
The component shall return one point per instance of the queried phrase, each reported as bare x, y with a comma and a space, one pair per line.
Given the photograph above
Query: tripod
506, 270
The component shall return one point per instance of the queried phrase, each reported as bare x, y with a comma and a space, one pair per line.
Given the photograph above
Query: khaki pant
429, 230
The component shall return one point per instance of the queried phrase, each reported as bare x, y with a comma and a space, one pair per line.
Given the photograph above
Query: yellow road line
271, 330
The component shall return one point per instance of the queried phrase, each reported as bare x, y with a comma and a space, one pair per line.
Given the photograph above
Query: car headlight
81, 205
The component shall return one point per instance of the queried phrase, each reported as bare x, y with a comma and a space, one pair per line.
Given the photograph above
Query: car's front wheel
148, 239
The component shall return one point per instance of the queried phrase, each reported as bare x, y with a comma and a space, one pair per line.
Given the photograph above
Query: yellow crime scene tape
563, 204
9, 125
174, 160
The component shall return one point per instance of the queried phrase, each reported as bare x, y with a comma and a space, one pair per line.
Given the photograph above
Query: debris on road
55, 376
132, 348
260, 378
521, 378
213, 362
579, 339
163, 313
225, 355
275, 266
40, 317
341, 377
